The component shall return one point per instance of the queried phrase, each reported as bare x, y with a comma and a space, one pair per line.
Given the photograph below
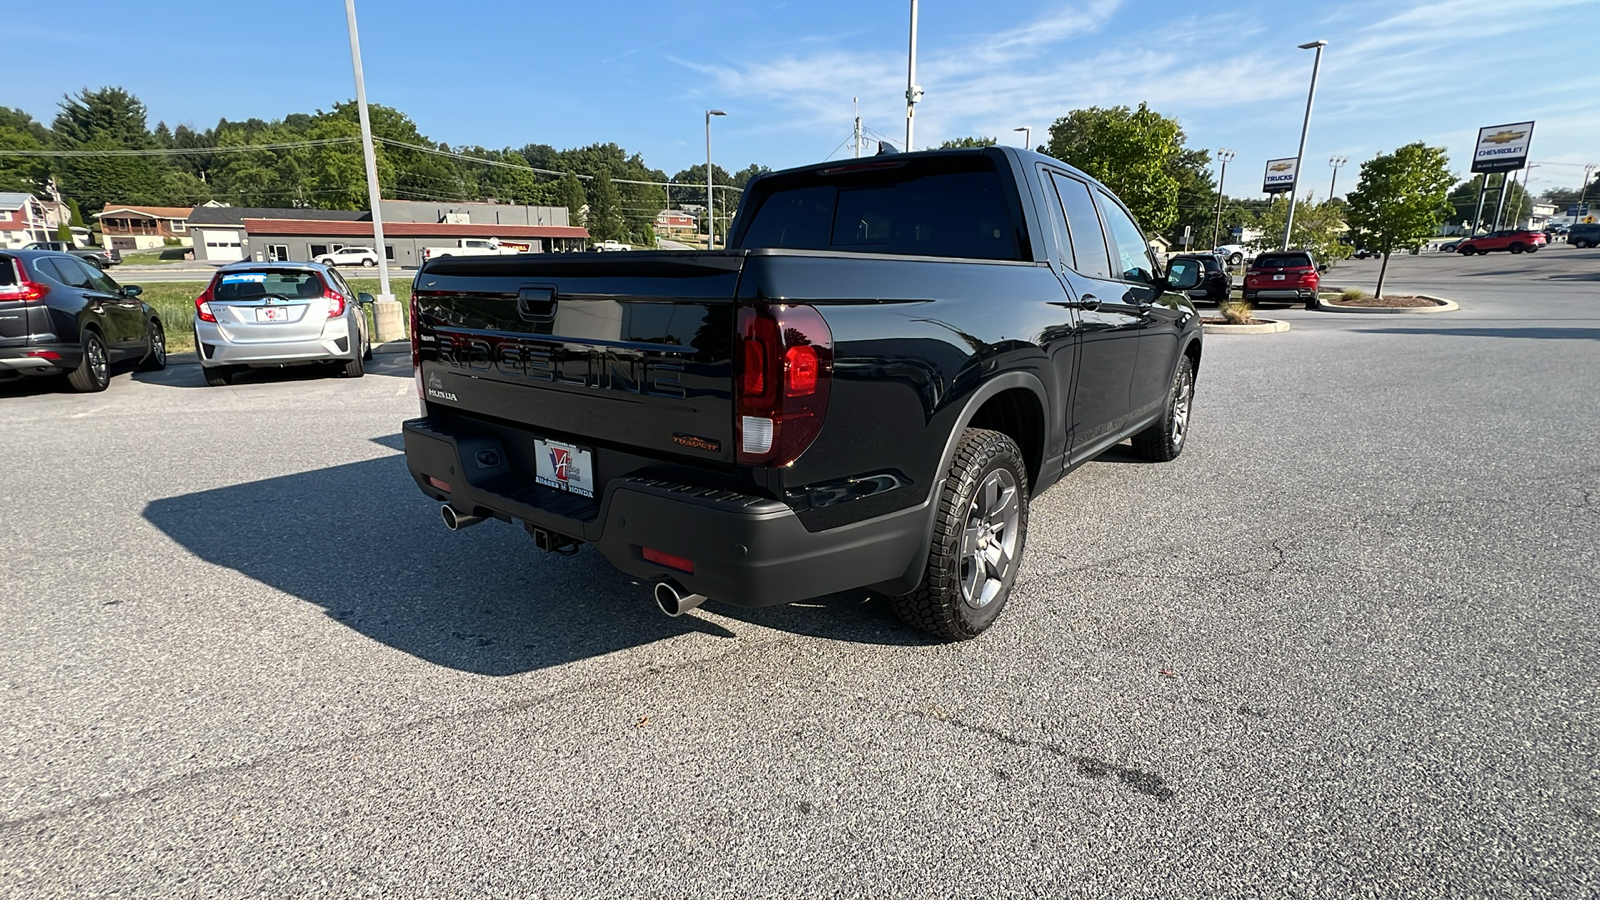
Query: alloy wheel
989, 541
97, 361
1181, 402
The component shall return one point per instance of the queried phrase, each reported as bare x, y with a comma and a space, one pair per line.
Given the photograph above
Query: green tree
64, 233
963, 143
569, 193
77, 214
1401, 199
1317, 227
605, 213
18, 131
107, 119
744, 176
1131, 151
1197, 198
1463, 200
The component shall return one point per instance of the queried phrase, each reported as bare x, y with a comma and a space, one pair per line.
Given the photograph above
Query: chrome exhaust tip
674, 599
455, 520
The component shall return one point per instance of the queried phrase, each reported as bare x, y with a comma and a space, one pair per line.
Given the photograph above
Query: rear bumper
1280, 293
745, 550
19, 361
215, 350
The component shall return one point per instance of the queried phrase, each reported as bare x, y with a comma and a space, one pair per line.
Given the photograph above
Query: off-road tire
1163, 441
155, 359
937, 605
93, 373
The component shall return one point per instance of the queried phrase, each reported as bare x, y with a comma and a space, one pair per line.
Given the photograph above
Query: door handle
1088, 301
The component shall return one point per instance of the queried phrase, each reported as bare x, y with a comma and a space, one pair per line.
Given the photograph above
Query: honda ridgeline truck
867, 388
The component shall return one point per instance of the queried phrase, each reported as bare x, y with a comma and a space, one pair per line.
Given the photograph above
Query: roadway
1345, 645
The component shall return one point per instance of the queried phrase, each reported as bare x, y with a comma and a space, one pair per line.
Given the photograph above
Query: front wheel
93, 373
1163, 441
368, 263
1235, 259
979, 532
155, 358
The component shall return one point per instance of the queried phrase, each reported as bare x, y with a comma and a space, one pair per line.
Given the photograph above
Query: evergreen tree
18, 131
605, 214
569, 193
107, 119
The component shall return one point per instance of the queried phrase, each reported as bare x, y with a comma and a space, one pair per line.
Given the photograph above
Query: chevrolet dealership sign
1280, 176
1502, 148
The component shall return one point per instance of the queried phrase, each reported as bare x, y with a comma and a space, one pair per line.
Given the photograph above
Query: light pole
711, 205
1027, 136
1288, 225
1587, 171
1223, 155
1336, 162
913, 93
385, 318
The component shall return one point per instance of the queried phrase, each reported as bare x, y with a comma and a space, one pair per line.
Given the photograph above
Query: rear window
1283, 261
950, 206
244, 285
8, 273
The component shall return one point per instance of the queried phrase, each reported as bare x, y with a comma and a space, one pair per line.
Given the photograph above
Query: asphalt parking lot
1346, 645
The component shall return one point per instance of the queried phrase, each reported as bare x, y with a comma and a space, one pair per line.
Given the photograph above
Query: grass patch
1351, 295
174, 303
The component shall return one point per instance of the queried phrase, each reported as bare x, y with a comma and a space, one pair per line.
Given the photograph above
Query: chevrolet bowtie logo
1504, 137
1280, 167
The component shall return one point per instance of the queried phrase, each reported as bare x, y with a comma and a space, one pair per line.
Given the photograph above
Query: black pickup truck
894, 355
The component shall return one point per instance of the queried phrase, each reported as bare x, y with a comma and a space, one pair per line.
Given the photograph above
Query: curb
1444, 306
1263, 326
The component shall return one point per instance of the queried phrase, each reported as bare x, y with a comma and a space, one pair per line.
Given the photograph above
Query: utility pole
386, 319
857, 102
1483, 190
1216, 230
1288, 222
1587, 171
711, 207
913, 93
1335, 162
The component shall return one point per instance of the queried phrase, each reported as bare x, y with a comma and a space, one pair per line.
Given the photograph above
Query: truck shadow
358, 541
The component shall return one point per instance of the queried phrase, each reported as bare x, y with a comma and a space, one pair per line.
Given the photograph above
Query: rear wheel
220, 376
155, 359
93, 373
1163, 441
1235, 259
353, 368
1517, 248
980, 529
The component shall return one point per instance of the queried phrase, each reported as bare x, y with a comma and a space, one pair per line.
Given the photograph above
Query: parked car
1584, 235
350, 256
1450, 246
610, 246
1283, 275
100, 257
892, 358
1519, 240
61, 316
1215, 282
268, 315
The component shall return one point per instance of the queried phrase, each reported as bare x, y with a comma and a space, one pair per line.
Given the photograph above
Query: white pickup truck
478, 247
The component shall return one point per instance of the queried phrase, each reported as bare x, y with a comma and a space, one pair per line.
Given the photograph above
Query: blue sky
497, 74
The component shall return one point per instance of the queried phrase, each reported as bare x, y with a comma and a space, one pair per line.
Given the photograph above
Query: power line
182, 151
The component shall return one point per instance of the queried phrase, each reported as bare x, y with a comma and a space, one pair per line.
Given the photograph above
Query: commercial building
226, 233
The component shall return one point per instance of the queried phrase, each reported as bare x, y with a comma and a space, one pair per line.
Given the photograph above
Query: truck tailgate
632, 352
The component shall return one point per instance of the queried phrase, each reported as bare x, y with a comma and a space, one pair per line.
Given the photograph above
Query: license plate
1279, 277
564, 467
273, 314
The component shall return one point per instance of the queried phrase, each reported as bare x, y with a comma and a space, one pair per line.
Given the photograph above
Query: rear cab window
955, 206
280, 283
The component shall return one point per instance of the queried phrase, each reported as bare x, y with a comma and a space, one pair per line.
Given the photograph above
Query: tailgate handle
537, 303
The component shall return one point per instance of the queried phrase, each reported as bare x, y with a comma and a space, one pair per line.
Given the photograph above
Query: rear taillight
202, 304
335, 302
785, 370
33, 291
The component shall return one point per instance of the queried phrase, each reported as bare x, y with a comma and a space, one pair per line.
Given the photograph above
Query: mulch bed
1218, 320
1386, 302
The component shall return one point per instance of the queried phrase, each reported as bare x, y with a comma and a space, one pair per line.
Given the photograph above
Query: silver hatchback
257, 315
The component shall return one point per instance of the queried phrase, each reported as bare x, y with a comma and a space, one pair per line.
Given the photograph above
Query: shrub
1350, 295
1237, 312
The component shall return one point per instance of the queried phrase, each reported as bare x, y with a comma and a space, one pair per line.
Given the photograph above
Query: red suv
1283, 275
1518, 241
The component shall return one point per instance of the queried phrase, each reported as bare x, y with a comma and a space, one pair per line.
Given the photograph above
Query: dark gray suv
1584, 235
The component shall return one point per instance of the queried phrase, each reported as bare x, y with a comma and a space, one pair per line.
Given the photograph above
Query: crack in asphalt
1088, 767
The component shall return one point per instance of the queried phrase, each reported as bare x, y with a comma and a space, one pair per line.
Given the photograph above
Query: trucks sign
1502, 148
1280, 175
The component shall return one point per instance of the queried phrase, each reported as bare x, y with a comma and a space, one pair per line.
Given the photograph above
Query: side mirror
131, 290
1184, 275
1323, 268
365, 299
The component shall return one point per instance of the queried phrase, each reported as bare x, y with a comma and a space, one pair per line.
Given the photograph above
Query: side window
1134, 262
100, 280
1083, 223
66, 273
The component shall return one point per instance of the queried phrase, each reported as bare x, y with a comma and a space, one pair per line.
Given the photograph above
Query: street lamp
1223, 155
1335, 162
1027, 136
711, 205
386, 315
1288, 225
913, 93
